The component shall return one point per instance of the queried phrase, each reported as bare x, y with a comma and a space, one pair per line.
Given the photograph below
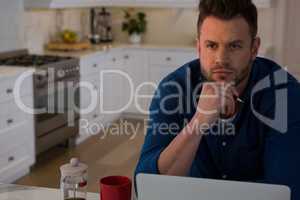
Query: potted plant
135, 25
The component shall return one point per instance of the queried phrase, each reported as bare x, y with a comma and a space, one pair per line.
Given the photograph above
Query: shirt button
224, 144
224, 176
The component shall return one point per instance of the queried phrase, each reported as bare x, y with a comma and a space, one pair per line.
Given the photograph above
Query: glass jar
73, 181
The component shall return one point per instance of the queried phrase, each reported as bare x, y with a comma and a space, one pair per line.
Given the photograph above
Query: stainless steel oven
56, 96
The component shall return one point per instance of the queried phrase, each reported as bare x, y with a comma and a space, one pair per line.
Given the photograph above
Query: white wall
278, 27
173, 26
11, 25
41, 26
165, 26
291, 53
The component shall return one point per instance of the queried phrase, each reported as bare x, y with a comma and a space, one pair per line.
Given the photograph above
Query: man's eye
211, 46
235, 46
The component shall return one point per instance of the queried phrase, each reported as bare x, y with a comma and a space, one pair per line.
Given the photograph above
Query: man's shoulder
268, 69
264, 67
275, 84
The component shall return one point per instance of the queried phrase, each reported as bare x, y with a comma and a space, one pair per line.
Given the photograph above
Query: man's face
226, 49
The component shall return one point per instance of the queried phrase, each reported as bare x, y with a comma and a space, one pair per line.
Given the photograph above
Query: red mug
115, 188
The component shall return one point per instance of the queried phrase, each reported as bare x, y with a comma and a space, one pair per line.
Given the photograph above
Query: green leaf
134, 23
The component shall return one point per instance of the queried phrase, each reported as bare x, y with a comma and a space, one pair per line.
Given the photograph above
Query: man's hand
217, 100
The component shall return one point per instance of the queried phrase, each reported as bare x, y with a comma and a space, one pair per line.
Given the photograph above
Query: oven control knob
61, 73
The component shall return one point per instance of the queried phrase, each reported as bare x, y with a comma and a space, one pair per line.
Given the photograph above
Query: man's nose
222, 56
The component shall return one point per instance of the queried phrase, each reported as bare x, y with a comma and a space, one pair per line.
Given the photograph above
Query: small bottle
73, 181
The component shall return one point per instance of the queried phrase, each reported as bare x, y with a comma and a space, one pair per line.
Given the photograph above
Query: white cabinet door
90, 118
90, 99
90, 64
164, 62
157, 73
135, 65
8, 86
17, 151
111, 84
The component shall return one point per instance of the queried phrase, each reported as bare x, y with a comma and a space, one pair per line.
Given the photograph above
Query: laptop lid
161, 187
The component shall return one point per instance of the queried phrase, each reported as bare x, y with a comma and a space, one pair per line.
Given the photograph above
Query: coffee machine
101, 30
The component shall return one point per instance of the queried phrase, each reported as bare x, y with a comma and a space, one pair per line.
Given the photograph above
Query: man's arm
167, 154
177, 158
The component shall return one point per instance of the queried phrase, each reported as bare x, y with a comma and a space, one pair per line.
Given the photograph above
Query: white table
18, 192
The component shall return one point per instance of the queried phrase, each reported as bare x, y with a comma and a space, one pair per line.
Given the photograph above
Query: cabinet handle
114, 59
11, 158
95, 116
168, 59
95, 65
126, 57
9, 91
10, 121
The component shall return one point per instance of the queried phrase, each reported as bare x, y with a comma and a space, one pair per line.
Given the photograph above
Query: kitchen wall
175, 26
41, 26
291, 46
11, 25
165, 26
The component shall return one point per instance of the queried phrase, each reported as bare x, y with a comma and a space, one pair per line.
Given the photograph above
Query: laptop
161, 187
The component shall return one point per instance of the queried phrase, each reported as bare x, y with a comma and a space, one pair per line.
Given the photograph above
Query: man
245, 124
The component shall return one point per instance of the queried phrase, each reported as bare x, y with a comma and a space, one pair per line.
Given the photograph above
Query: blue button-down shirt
261, 145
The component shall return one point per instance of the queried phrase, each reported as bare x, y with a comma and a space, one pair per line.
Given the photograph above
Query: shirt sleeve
282, 149
163, 126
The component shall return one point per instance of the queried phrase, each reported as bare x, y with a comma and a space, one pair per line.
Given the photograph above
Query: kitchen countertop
8, 71
18, 192
111, 46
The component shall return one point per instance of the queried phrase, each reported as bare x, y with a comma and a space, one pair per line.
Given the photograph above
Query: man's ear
255, 47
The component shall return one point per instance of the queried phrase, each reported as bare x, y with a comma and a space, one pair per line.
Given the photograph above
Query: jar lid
74, 168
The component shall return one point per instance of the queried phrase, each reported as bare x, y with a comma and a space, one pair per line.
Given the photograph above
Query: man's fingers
227, 105
234, 91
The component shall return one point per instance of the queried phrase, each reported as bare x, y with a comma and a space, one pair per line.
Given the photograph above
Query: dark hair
229, 9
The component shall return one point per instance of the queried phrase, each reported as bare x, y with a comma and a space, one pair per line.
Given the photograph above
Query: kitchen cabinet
146, 68
123, 80
135, 65
163, 62
112, 77
17, 148
100, 91
90, 117
31, 4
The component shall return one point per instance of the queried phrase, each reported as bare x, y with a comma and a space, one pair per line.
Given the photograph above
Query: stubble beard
238, 79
